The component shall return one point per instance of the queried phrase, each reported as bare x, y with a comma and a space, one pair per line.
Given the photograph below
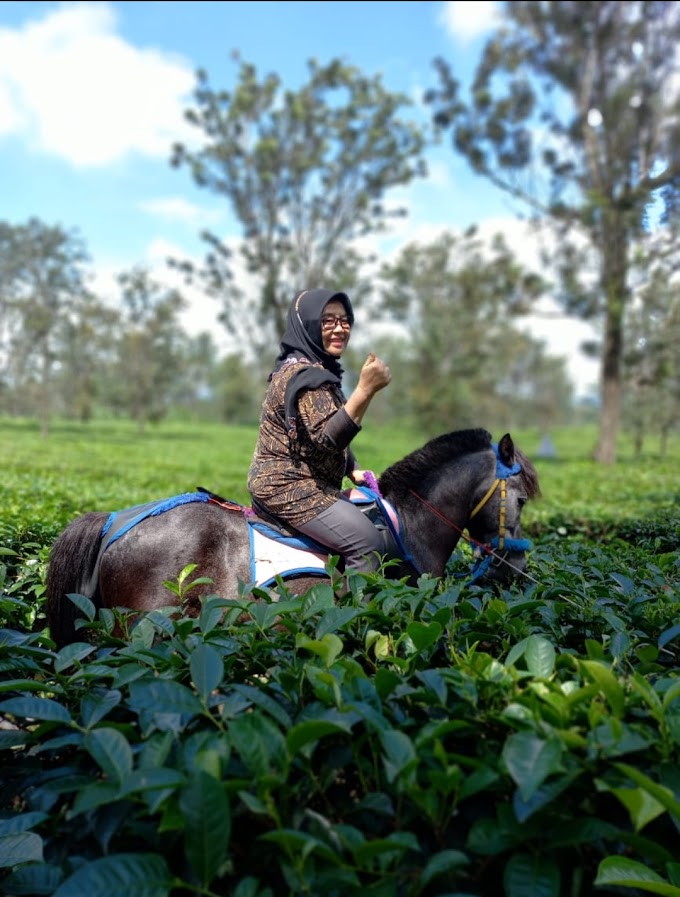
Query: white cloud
75, 89
464, 20
176, 208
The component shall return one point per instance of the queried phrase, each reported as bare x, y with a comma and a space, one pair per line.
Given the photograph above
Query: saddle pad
270, 558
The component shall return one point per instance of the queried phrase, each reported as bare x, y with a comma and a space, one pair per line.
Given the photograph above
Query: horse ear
506, 450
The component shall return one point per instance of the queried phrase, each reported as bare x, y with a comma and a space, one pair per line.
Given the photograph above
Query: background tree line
574, 111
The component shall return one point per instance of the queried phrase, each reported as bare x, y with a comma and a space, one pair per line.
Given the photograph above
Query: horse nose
506, 568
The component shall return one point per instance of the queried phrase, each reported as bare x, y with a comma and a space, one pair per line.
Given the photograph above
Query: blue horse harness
501, 541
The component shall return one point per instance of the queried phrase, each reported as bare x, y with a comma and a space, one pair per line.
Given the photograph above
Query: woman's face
335, 328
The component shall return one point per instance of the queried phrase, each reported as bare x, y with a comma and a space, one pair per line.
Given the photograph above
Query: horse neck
433, 516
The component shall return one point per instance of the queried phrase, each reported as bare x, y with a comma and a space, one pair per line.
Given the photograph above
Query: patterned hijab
303, 336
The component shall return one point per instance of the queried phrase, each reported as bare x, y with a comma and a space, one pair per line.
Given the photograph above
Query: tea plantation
435, 740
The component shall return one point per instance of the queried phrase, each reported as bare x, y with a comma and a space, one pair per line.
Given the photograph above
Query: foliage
483, 365
574, 111
42, 284
394, 740
304, 173
148, 347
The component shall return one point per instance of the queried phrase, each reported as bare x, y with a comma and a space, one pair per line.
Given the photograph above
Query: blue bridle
500, 542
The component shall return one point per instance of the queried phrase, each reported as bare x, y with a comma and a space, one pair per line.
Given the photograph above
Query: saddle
279, 550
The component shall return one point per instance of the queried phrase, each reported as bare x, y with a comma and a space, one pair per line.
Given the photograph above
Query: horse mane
398, 479
529, 475
415, 467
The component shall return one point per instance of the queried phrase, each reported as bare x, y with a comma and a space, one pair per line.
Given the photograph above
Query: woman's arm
374, 376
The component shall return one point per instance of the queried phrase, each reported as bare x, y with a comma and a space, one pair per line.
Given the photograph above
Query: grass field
439, 737
107, 465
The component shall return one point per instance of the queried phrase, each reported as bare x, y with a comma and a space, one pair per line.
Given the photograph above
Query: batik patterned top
296, 478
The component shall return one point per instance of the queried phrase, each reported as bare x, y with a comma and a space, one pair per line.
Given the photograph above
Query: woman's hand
374, 375
358, 477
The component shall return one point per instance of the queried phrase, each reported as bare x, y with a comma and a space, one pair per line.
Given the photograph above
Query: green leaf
141, 780
443, 863
328, 648
21, 685
207, 814
641, 806
530, 760
259, 744
607, 683
141, 874
84, 605
187, 571
334, 619
71, 653
22, 822
206, 668
662, 794
261, 699
668, 635
540, 657
24, 847
626, 584
33, 880
297, 843
111, 751
97, 795
541, 797
310, 730
395, 844
95, 706
526, 874
400, 753
163, 696
36, 708
423, 635
631, 874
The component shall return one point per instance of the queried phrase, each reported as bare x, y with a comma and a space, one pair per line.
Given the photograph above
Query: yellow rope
486, 498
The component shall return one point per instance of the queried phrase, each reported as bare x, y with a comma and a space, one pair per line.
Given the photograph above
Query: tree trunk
615, 269
44, 396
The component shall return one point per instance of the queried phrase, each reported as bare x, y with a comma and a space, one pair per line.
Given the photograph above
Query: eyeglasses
330, 322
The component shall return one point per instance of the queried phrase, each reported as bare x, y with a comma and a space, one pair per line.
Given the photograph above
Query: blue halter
482, 564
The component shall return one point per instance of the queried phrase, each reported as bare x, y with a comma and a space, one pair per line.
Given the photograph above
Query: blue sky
92, 95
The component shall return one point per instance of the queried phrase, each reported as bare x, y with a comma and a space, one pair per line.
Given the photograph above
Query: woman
306, 426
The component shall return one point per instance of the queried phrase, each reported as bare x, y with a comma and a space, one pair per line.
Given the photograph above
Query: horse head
495, 522
461, 485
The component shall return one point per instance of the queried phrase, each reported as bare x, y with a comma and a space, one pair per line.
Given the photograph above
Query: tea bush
399, 740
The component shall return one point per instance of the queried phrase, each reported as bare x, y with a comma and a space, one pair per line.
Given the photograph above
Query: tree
305, 174
459, 300
652, 357
575, 111
85, 350
42, 276
149, 347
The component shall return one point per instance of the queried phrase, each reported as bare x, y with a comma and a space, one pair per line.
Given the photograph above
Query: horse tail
70, 570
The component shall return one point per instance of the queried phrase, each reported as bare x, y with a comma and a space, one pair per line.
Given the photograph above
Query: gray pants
346, 531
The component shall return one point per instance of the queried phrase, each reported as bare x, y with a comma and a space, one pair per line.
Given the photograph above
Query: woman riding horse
306, 426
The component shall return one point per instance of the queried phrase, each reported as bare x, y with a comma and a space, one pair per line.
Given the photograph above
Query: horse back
156, 550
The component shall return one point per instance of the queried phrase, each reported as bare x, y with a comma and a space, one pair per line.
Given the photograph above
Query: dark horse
457, 482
